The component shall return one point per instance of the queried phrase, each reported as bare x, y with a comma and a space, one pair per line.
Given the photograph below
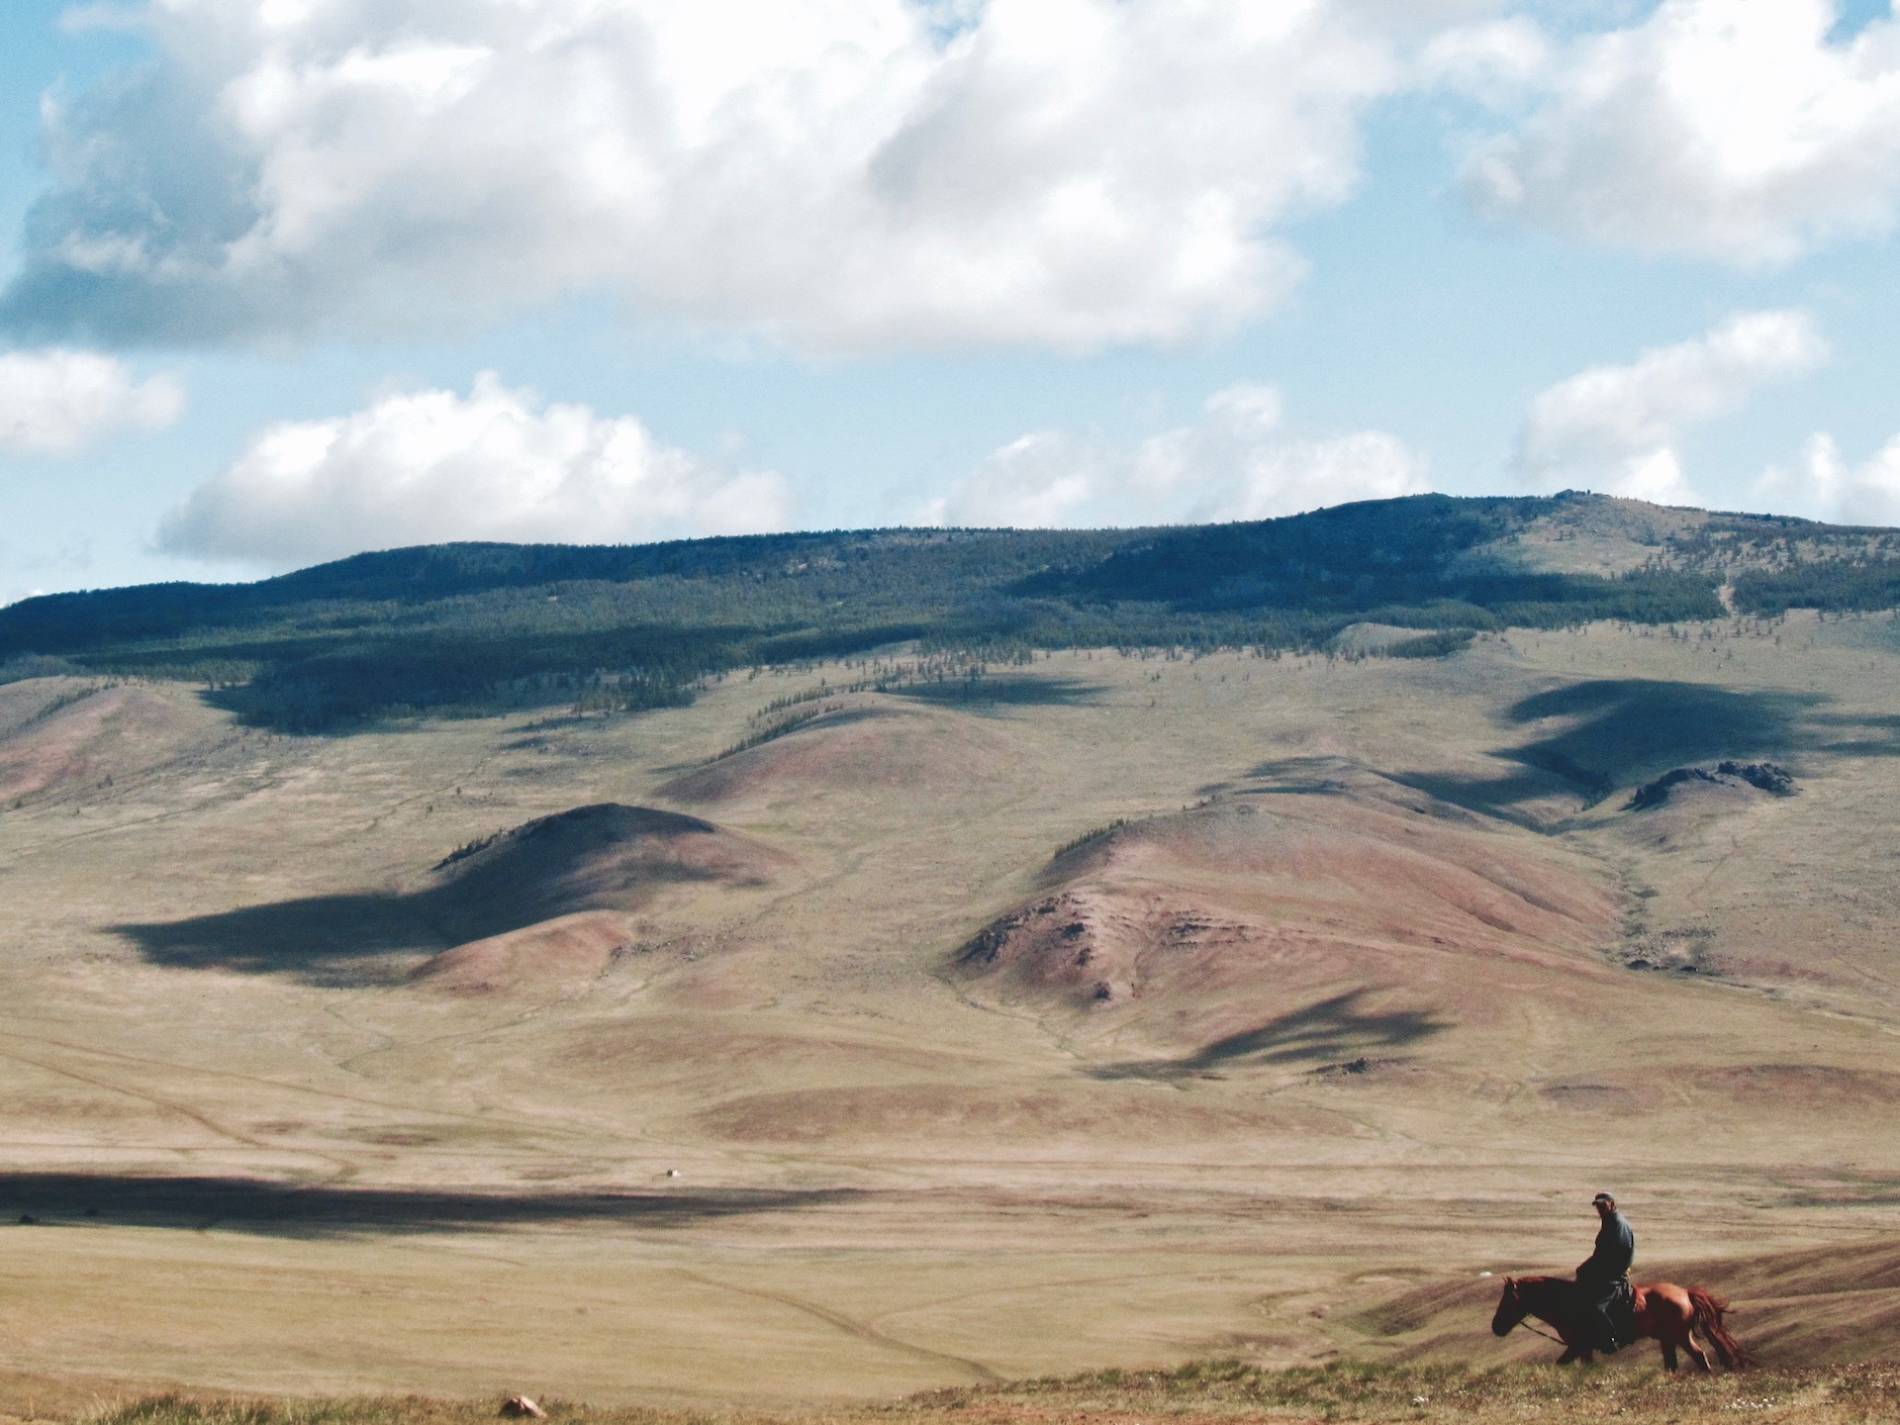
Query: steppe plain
852, 1064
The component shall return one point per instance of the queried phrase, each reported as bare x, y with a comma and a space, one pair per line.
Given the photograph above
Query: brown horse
1665, 1312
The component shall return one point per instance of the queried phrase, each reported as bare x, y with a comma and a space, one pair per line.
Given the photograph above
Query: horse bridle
1525, 1322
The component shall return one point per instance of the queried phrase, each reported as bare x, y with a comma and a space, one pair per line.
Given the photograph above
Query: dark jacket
1615, 1250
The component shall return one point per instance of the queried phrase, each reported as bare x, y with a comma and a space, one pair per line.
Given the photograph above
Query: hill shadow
502, 883
1625, 730
325, 940
1295, 776
292, 1210
989, 693
1880, 734
1326, 1032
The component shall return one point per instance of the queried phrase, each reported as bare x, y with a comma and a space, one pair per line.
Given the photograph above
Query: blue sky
282, 279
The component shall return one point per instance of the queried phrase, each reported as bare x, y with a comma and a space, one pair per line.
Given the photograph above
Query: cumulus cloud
1616, 428
1822, 484
57, 401
1749, 131
1309, 474
1046, 479
1491, 61
1232, 463
430, 466
847, 175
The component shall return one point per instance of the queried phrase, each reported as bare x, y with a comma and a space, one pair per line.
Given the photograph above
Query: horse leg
1669, 1356
1569, 1355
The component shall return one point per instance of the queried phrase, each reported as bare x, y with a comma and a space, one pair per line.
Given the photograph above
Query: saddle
1610, 1306
1623, 1311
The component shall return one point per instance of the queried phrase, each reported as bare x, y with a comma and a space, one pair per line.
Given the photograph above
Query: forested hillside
476, 627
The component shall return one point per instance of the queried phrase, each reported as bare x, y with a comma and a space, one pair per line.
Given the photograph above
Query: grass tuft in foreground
1204, 1391
363, 1410
1355, 1391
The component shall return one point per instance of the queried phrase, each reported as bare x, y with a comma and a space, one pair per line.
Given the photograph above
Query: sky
284, 280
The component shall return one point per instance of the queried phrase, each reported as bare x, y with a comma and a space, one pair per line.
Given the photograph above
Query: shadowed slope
1593, 736
600, 857
550, 896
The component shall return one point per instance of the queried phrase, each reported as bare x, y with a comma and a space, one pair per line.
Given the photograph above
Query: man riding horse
1601, 1310
1604, 1277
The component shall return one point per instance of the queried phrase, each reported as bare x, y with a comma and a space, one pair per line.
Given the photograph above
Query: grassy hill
477, 628
838, 1031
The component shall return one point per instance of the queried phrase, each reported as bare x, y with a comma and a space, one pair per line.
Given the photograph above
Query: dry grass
1209, 1391
264, 1161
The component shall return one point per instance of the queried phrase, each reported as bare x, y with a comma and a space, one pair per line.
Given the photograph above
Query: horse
1665, 1313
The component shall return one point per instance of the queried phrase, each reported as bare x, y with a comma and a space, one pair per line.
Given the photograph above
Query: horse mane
1549, 1293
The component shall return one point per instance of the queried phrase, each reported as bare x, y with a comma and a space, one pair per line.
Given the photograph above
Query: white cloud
1822, 485
1741, 130
430, 466
1491, 61
1233, 463
1046, 479
57, 402
1310, 474
839, 175
1616, 428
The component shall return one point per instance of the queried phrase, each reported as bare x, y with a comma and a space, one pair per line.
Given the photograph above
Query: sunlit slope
1310, 875
78, 737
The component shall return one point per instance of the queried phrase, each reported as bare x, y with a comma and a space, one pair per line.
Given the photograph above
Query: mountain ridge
473, 628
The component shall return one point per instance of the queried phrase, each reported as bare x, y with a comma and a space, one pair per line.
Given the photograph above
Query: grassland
757, 1138
1212, 1391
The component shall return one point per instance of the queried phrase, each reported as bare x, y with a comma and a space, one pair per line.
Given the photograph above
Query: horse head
1511, 1309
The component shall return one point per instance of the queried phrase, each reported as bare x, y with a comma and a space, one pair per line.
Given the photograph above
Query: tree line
473, 629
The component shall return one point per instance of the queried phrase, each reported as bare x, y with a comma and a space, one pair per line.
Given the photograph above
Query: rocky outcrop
1767, 777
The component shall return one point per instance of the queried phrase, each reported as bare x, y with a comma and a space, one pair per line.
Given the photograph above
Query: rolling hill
813, 968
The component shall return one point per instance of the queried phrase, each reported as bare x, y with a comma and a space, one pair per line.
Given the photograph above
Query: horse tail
1707, 1321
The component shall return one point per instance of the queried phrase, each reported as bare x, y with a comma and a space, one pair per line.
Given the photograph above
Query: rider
1604, 1276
